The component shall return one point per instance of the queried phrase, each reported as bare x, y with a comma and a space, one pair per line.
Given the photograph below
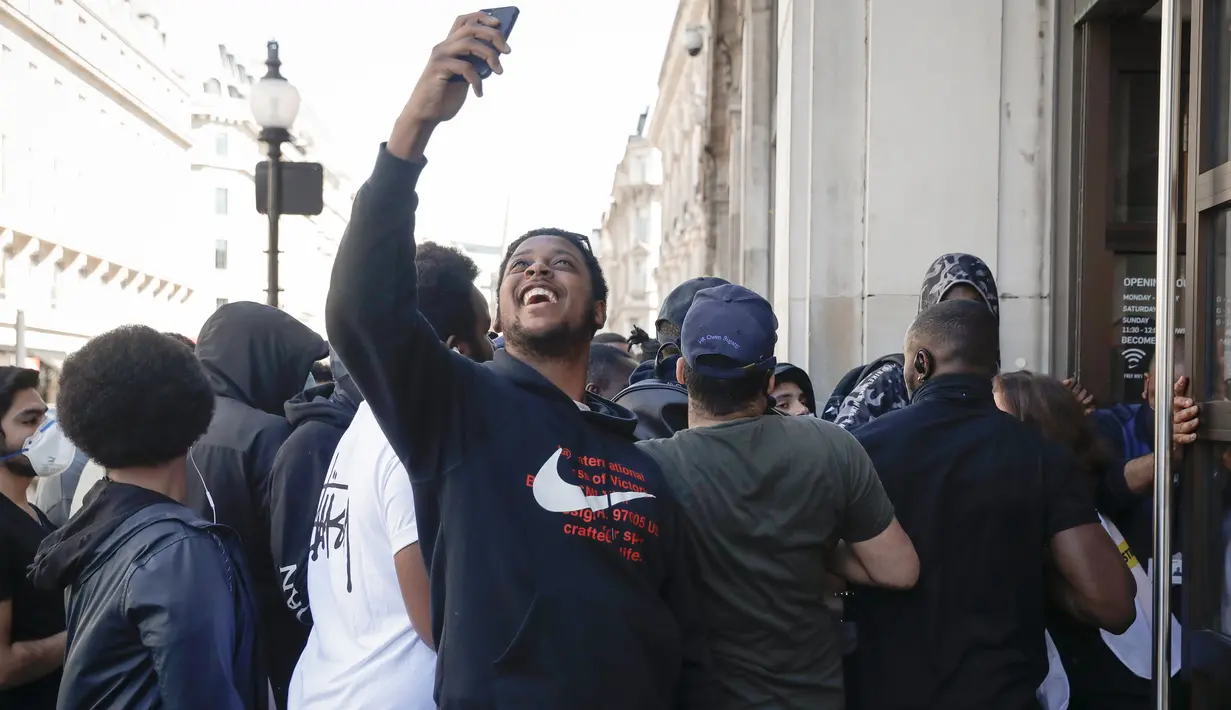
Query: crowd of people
559, 517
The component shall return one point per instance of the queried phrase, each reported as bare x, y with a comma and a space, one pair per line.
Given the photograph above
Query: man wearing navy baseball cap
729, 334
768, 499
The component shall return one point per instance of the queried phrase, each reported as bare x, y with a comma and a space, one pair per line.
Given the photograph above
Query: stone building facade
629, 242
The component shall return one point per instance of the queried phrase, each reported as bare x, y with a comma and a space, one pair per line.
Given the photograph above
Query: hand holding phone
507, 17
450, 72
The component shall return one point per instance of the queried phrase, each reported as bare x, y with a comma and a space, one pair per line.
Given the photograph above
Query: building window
641, 227
56, 272
234, 92
638, 170
219, 303
220, 143
220, 253
214, 87
220, 201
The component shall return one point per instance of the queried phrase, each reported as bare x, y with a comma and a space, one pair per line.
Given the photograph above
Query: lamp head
274, 101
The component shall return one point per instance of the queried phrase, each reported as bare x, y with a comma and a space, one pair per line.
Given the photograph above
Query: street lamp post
275, 104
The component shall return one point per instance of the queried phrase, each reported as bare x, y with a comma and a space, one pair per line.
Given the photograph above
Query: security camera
694, 40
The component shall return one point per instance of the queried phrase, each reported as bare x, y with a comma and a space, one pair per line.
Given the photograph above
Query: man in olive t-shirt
766, 498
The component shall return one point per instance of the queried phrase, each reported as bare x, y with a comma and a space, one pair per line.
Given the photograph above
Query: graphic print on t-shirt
553, 494
592, 504
333, 493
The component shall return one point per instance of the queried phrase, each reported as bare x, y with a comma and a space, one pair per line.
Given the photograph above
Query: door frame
1207, 652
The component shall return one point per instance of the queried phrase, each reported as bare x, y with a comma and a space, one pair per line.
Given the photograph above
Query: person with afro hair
159, 601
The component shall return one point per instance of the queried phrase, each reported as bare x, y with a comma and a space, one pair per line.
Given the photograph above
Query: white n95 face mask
48, 449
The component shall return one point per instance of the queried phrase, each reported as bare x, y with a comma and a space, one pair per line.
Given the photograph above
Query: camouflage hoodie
884, 389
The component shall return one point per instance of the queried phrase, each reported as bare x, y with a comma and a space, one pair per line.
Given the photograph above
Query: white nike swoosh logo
555, 495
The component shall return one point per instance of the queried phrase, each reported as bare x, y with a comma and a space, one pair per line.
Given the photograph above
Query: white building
630, 239
94, 134
823, 154
678, 131
224, 160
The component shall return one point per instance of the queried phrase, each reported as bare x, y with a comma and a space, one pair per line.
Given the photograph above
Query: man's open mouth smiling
538, 294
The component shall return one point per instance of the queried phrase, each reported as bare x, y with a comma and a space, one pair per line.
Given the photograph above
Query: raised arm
414, 385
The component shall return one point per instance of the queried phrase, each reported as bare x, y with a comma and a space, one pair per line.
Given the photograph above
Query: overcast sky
545, 137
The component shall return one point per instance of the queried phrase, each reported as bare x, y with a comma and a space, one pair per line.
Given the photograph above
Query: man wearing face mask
31, 621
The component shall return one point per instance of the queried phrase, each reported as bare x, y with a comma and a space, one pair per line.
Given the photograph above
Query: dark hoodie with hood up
319, 416
559, 573
161, 613
256, 358
786, 372
884, 389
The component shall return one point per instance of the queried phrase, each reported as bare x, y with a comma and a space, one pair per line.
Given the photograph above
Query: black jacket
256, 358
548, 590
320, 416
160, 607
980, 494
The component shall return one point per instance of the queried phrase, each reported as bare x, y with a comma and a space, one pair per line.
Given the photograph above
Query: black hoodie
558, 579
256, 358
160, 606
320, 416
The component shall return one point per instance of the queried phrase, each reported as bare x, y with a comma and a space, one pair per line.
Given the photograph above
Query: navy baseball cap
675, 306
729, 332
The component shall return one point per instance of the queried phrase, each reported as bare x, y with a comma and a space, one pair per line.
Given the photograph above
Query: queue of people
559, 518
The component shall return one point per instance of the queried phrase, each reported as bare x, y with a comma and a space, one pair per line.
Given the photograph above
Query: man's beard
561, 342
19, 465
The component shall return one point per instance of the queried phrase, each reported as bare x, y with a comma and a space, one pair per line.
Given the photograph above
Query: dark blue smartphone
508, 18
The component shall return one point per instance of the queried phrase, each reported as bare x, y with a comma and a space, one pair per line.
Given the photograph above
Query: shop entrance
1116, 61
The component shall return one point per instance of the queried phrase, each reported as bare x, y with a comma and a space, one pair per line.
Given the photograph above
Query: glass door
1116, 229
1205, 496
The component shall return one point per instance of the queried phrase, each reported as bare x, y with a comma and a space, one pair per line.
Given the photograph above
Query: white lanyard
1135, 646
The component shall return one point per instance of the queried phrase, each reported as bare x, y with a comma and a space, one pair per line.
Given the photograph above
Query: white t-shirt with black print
363, 652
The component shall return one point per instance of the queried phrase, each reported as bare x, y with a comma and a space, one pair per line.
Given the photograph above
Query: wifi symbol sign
1133, 357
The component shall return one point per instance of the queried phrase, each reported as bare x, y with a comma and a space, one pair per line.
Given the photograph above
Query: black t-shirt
36, 614
980, 494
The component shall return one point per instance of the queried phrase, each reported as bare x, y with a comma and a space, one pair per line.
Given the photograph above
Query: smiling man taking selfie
558, 566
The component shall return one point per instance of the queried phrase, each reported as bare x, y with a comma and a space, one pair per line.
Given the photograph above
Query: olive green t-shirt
763, 499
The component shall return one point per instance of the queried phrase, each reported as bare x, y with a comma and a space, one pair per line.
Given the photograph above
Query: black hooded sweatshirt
558, 578
320, 416
256, 358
